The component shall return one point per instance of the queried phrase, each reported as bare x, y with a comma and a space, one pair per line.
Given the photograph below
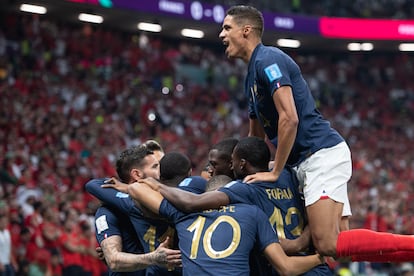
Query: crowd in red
73, 97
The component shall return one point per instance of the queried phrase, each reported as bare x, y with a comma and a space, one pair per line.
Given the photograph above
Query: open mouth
226, 45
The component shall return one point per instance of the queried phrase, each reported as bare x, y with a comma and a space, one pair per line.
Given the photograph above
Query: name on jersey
223, 209
278, 193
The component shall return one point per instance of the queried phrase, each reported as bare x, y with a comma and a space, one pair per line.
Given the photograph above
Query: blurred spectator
406, 269
72, 248
6, 257
41, 265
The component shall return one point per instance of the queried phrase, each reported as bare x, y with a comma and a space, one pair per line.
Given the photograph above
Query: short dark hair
129, 159
254, 150
217, 181
225, 147
247, 14
174, 166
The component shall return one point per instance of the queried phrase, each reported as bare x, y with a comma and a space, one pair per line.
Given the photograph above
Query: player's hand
115, 184
322, 259
164, 256
100, 253
151, 182
261, 177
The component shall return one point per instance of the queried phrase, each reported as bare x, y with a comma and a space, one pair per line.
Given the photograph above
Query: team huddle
252, 214
231, 228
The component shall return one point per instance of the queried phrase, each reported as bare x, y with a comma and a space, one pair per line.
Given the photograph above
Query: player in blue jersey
282, 108
218, 242
219, 157
134, 163
176, 170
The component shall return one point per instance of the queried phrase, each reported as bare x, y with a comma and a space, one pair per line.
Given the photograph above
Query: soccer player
219, 157
176, 169
218, 242
134, 163
282, 108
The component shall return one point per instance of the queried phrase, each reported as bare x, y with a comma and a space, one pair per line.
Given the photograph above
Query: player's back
281, 202
218, 242
283, 205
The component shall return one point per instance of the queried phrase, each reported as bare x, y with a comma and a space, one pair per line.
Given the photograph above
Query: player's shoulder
103, 209
109, 213
266, 52
194, 184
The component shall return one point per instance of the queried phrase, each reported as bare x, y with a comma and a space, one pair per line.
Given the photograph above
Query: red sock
371, 245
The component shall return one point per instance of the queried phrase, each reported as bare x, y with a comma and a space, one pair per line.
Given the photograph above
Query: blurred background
81, 80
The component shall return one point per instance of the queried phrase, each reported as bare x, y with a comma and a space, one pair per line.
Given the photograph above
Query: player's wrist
321, 258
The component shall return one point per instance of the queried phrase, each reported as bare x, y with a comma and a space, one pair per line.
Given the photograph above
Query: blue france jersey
150, 232
270, 68
280, 201
218, 242
110, 222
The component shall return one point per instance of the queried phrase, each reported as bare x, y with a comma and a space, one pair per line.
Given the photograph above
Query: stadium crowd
72, 97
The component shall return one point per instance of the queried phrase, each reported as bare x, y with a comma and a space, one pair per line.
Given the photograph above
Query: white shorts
326, 174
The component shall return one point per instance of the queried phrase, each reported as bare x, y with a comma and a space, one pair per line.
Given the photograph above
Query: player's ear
136, 174
246, 30
243, 164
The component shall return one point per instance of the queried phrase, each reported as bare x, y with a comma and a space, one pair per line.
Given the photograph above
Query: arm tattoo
119, 261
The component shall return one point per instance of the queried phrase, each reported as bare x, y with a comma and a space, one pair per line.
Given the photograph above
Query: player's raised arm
146, 196
187, 201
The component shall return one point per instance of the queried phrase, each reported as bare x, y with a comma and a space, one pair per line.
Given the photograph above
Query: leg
325, 220
371, 246
324, 176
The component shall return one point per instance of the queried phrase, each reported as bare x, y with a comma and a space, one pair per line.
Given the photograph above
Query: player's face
232, 36
219, 165
151, 167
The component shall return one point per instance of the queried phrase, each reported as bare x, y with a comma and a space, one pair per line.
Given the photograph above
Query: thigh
325, 174
325, 216
325, 220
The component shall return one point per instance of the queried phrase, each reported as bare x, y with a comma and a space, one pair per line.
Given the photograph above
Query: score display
103, 3
329, 27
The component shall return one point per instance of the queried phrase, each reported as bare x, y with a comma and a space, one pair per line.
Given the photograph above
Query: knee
325, 246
